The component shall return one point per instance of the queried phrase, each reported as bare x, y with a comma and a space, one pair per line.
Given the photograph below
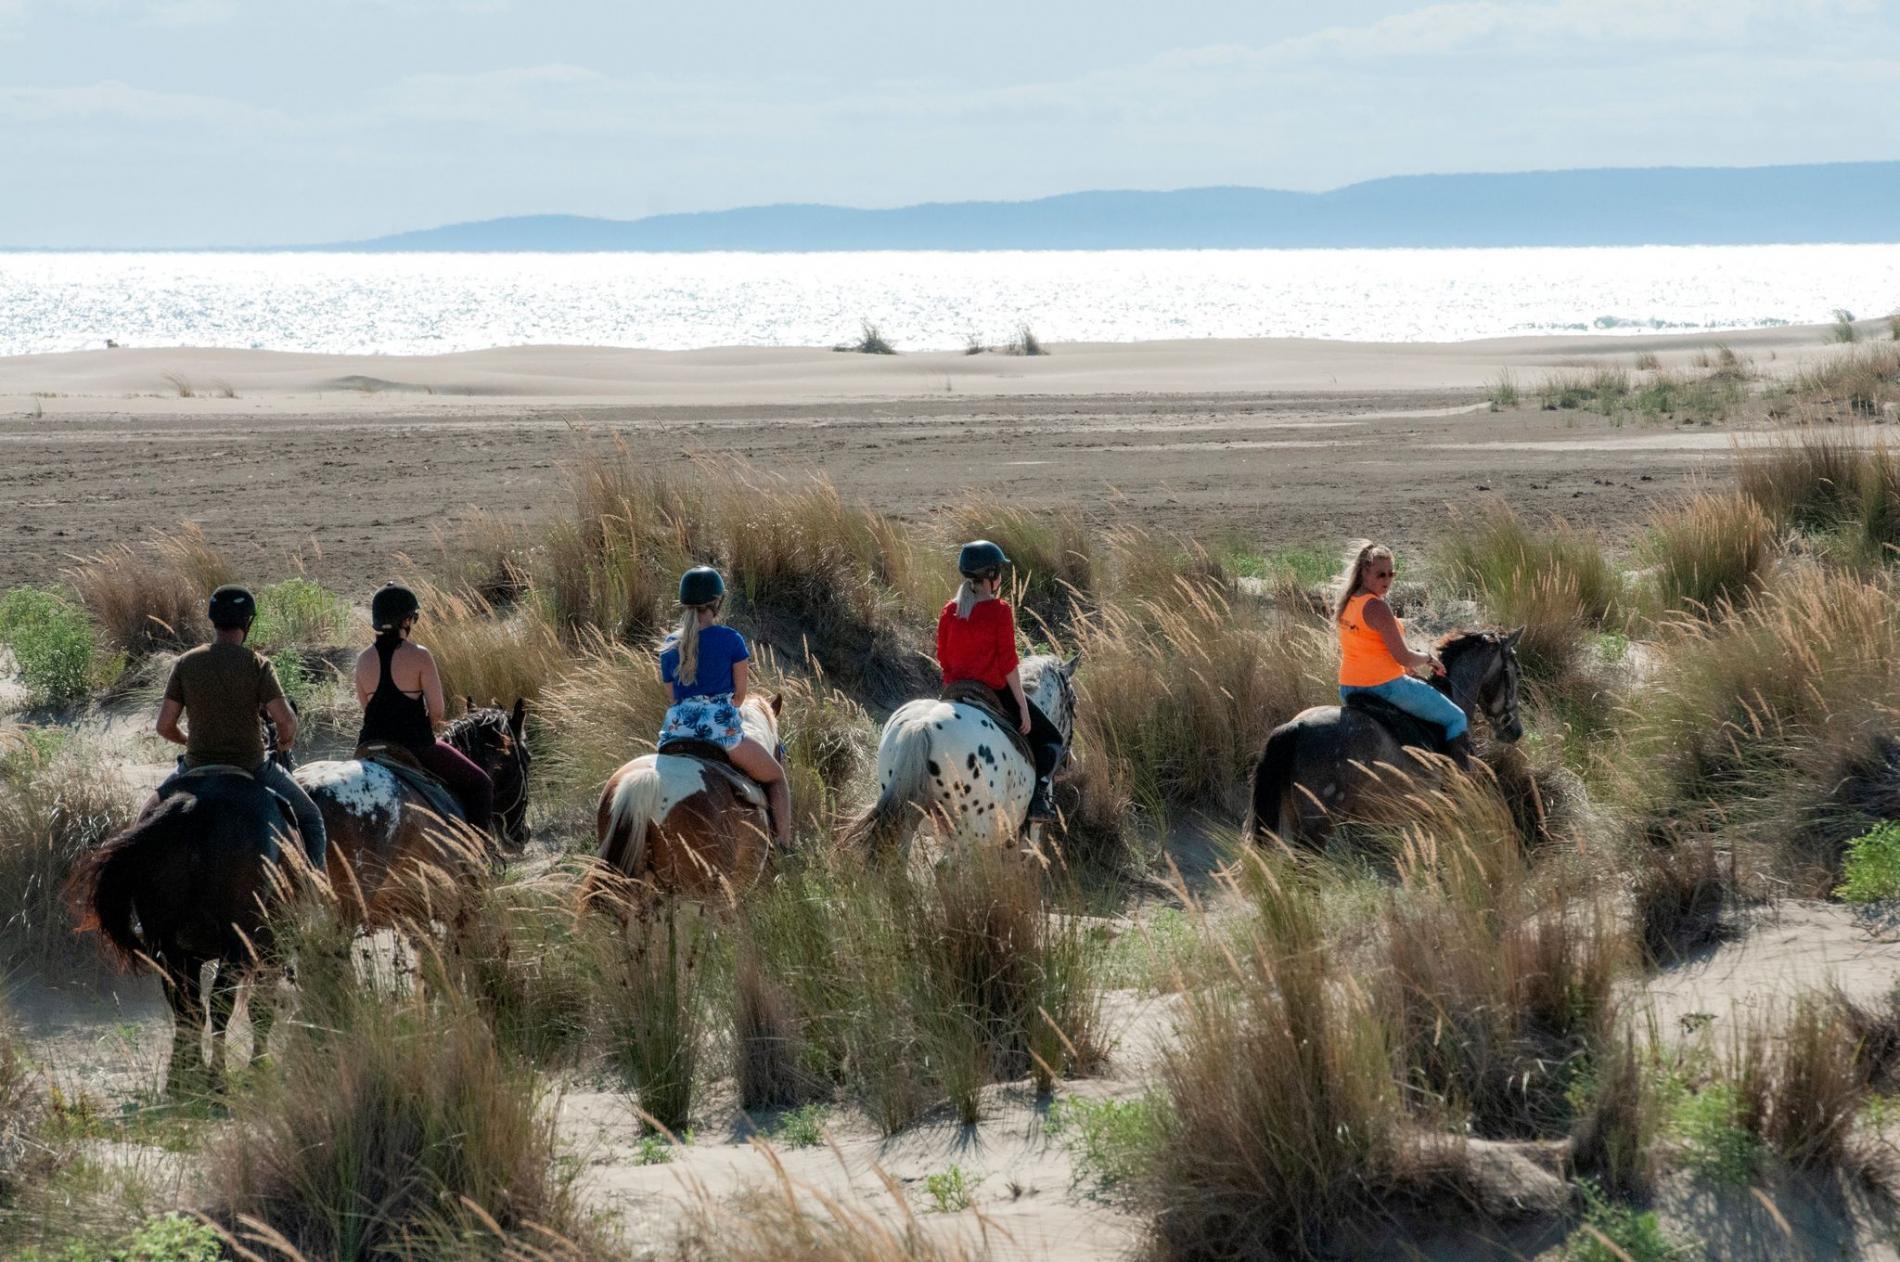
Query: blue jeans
1420, 700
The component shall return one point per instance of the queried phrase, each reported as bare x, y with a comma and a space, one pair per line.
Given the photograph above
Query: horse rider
220, 689
976, 641
1374, 657
707, 664
400, 690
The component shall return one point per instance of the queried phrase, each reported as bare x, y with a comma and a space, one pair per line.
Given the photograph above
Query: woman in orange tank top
1373, 654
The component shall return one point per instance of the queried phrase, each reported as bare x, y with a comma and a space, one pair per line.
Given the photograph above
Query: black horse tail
100, 889
1272, 780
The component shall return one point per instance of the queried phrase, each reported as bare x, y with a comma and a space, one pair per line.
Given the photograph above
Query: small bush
298, 613
1503, 392
140, 603
1872, 866
1710, 550
1615, 1232
1024, 343
1109, 1141
1843, 330
52, 644
1716, 1126
871, 341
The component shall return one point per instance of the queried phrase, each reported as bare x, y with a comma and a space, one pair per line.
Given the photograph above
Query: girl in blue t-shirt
706, 664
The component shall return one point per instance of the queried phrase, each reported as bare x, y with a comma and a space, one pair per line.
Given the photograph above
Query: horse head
1049, 682
1482, 669
496, 741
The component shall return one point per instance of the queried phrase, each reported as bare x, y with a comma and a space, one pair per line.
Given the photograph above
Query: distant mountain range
1834, 202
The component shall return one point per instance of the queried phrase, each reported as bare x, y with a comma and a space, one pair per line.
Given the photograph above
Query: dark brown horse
382, 830
686, 825
1334, 763
193, 881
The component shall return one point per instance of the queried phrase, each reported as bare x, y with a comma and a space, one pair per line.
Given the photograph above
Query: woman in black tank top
392, 715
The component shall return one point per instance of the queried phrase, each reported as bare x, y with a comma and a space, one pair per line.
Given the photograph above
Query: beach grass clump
1863, 379
139, 601
871, 341
656, 1006
605, 708
1618, 1122
53, 645
1603, 389
1503, 392
298, 613
1648, 361
1555, 580
1712, 549
1772, 726
59, 799
1839, 487
391, 1125
1682, 897
1176, 697
1054, 558
1843, 329
1024, 342
188, 551
1704, 399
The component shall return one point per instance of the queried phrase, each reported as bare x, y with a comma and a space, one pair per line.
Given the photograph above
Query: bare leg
756, 761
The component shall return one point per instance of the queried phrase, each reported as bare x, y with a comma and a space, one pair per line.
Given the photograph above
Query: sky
253, 122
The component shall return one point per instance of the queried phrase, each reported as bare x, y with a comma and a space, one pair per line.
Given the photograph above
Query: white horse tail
903, 756
635, 807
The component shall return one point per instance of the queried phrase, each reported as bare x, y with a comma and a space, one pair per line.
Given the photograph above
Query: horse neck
1464, 679
757, 713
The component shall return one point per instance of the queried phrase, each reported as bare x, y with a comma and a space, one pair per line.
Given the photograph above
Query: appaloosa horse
1325, 764
952, 761
690, 825
380, 825
191, 881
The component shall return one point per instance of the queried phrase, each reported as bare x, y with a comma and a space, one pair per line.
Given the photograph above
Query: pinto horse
1323, 765
191, 881
689, 825
381, 827
952, 761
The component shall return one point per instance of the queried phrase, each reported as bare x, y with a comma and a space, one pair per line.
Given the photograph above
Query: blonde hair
1358, 553
688, 669
966, 594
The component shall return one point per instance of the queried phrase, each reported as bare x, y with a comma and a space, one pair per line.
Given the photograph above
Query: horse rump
1272, 780
100, 889
904, 754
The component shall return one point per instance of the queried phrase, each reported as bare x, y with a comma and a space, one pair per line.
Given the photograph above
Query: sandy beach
343, 461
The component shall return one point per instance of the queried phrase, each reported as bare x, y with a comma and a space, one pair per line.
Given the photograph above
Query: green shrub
298, 613
172, 1238
52, 643
950, 1191
1843, 330
1108, 1140
1614, 1232
1871, 867
1718, 1140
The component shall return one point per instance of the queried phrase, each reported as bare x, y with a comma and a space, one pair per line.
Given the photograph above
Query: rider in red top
976, 640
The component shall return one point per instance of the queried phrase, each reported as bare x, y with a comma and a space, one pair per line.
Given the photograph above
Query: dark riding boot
1458, 749
1041, 808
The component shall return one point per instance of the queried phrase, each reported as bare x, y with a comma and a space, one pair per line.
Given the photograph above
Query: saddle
717, 759
971, 693
1406, 729
218, 770
402, 764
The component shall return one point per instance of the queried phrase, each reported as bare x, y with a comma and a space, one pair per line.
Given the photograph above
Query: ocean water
426, 303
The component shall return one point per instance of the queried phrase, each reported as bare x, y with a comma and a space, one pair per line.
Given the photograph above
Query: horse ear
520, 714
1068, 667
469, 702
1511, 638
778, 704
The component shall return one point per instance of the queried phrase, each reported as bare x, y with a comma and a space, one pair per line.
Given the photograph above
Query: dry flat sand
350, 459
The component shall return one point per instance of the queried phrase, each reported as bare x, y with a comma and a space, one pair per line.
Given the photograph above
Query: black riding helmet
701, 585
390, 605
979, 557
231, 608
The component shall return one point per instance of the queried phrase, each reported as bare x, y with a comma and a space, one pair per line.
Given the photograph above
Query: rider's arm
740, 669
431, 681
1022, 702
284, 719
168, 713
365, 678
1378, 616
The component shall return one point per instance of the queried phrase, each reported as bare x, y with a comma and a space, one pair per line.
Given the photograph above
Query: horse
954, 762
1322, 764
380, 825
690, 825
193, 880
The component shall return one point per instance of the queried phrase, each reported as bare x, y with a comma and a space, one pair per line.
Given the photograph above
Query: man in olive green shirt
220, 689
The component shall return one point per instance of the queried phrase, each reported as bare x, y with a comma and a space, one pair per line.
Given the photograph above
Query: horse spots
931, 766
970, 762
362, 789
983, 752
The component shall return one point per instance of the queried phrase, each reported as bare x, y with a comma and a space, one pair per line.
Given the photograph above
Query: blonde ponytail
966, 599
688, 670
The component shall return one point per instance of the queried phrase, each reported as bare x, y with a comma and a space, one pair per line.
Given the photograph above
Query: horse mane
1455, 642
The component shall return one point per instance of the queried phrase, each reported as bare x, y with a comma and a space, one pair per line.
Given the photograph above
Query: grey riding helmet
231, 608
979, 557
390, 605
701, 585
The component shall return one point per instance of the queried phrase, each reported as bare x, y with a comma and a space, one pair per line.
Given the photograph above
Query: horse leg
263, 1010
225, 984
186, 996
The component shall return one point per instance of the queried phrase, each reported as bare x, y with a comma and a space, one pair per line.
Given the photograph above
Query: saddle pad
402, 764
748, 789
214, 770
969, 692
1406, 729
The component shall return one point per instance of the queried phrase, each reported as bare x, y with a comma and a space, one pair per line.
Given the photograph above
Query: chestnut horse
193, 880
688, 825
380, 826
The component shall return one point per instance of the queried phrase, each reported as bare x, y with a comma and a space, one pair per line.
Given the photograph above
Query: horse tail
100, 889
1272, 780
906, 745
632, 808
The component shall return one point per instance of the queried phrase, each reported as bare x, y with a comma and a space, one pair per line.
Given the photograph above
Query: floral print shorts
713, 719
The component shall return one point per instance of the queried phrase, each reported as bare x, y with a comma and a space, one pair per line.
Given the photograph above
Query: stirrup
1041, 807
